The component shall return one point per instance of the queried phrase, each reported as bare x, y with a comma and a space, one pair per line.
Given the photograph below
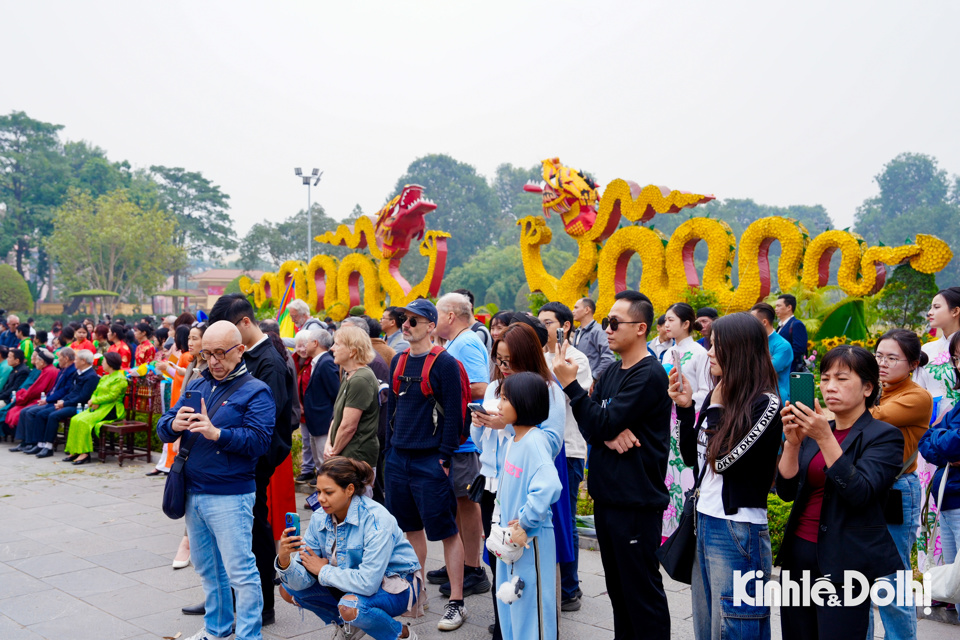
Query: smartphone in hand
476, 406
293, 520
676, 365
802, 389
560, 336
192, 399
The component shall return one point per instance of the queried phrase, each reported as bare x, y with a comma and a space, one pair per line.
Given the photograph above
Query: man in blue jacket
44, 419
225, 439
791, 329
780, 350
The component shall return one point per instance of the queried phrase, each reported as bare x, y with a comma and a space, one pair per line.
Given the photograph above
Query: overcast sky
786, 103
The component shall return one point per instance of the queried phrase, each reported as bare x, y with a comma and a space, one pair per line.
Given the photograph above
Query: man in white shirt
557, 316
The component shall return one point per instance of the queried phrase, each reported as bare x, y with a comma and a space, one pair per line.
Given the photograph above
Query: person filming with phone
352, 567
226, 419
837, 473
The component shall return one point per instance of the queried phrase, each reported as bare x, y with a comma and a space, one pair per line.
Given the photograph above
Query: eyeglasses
412, 320
614, 323
503, 362
890, 360
219, 354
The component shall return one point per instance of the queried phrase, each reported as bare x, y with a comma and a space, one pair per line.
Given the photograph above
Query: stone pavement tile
166, 578
136, 601
151, 518
23, 549
679, 604
32, 608
120, 529
88, 582
125, 509
293, 621
84, 545
592, 585
9, 536
50, 564
15, 583
85, 624
573, 630
10, 630
129, 560
164, 545
149, 636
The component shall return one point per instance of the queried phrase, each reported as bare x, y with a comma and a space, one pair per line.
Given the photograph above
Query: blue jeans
950, 534
569, 580
900, 623
221, 545
374, 613
725, 546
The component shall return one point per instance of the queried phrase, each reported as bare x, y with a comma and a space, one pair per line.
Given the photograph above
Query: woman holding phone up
353, 566
733, 447
837, 473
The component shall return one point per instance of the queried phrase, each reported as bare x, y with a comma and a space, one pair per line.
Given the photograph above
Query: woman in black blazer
837, 473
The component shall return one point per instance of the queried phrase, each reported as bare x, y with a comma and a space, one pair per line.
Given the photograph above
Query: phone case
802, 388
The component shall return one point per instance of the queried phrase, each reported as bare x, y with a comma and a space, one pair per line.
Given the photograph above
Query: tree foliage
109, 242
467, 206
14, 292
916, 195
268, 244
904, 301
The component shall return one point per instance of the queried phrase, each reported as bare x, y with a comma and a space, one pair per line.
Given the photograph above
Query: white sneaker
453, 617
203, 635
412, 635
347, 632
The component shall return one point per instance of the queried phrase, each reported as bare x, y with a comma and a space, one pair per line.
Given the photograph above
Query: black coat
16, 379
320, 394
853, 530
266, 364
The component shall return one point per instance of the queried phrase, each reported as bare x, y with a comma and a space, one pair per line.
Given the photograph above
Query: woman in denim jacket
353, 566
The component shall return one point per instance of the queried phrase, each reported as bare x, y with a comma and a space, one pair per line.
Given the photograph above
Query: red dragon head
401, 220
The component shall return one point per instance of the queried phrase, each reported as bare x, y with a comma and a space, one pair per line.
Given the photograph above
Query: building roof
226, 275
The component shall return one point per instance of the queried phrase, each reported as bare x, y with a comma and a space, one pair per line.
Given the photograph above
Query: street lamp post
315, 176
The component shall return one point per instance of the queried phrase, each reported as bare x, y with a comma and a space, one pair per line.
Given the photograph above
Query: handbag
677, 553
944, 579
175, 488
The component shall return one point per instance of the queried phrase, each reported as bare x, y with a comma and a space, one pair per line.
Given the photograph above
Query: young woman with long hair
680, 323
938, 376
733, 444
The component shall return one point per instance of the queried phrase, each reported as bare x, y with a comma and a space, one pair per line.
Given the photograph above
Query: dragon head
401, 220
570, 193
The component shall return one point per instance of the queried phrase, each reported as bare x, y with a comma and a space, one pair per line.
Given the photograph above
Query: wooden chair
143, 397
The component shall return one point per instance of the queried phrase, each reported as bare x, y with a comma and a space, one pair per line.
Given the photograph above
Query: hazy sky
786, 103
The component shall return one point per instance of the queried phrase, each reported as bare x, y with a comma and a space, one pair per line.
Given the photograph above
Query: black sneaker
570, 604
453, 617
305, 477
474, 581
438, 576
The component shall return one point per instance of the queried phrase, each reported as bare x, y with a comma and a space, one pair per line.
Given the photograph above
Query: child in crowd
528, 487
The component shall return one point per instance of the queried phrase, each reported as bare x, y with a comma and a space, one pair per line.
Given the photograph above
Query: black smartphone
476, 406
192, 399
802, 389
293, 520
559, 336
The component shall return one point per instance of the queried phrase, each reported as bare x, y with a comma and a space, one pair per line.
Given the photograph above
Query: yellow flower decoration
647, 244
322, 282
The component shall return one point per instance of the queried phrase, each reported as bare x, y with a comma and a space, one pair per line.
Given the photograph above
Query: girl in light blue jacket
528, 486
353, 566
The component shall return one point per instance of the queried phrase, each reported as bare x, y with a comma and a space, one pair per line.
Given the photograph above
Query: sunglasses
219, 354
614, 323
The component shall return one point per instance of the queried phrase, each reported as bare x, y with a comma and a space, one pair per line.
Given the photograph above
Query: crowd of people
425, 425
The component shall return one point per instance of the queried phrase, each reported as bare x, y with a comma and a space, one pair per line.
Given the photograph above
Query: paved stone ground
85, 553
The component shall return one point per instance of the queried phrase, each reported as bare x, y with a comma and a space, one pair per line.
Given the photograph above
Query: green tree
268, 244
109, 242
467, 206
904, 301
199, 208
32, 181
916, 196
354, 215
14, 292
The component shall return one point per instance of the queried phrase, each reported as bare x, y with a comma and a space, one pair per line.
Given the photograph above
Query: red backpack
424, 380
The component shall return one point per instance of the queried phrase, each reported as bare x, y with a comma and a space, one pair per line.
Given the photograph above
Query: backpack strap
401, 365
425, 387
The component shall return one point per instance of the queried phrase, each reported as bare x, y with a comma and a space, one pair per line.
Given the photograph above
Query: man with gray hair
74, 386
9, 337
317, 387
300, 315
168, 321
454, 322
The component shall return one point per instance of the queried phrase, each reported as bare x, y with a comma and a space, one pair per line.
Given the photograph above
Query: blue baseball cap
424, 308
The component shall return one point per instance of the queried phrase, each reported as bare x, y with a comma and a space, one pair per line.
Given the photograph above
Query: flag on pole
287, 328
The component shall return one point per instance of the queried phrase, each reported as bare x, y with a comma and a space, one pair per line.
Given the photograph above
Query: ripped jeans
725, 546
374, 613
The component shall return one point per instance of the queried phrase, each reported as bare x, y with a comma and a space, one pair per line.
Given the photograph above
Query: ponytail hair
346, 472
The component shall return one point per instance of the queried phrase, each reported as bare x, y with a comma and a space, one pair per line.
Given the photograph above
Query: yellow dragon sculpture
668, 265
334, 285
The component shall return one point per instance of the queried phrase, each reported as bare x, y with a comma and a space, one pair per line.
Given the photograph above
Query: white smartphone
476, 406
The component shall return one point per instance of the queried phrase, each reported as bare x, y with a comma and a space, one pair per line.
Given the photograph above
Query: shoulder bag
175, 489
676, 555
944, 579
